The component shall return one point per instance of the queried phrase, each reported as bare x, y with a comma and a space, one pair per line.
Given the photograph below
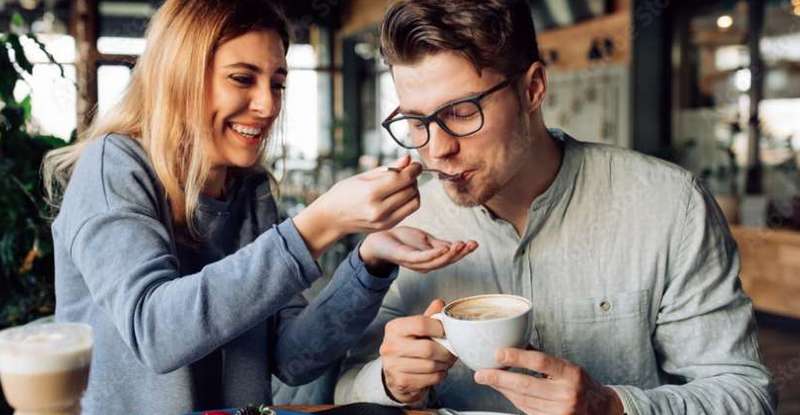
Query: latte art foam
487, 308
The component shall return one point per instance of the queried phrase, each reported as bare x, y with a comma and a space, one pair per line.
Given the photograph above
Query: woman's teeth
247, 131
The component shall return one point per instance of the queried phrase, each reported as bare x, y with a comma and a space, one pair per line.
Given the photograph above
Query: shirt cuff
297, 249
369, 387
627, 400
367, 280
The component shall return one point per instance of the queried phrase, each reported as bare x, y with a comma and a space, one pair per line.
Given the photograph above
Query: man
632, 272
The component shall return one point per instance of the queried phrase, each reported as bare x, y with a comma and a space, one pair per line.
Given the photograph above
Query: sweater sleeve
313, 337
361, 377
120, 242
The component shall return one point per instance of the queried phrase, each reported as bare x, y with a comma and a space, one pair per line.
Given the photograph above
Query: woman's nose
263, 102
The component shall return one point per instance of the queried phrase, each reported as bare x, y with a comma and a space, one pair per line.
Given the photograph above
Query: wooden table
317, 408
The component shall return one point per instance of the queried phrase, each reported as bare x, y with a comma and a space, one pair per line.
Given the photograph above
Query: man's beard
469, 194
462, 195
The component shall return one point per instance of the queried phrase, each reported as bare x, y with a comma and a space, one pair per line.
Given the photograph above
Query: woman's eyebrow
245, 65
257, 69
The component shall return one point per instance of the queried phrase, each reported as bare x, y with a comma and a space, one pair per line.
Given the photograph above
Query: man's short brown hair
495, 34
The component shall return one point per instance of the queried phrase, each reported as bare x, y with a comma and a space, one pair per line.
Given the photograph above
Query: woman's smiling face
247, 78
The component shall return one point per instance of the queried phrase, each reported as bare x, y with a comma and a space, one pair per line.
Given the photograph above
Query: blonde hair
163, 107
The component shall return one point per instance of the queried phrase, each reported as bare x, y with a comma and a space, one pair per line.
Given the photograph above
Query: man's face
486, 160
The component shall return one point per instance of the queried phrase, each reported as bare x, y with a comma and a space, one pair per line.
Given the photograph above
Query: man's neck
513, 202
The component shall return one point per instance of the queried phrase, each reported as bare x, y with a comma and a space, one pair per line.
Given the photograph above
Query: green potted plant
26, 258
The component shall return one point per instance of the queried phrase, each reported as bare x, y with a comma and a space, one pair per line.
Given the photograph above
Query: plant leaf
17, 21
49, 55
27, 107
26, 254
14, 117
8, 76
19, 53
49, 141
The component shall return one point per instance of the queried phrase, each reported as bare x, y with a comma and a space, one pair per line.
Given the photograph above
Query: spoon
442, 175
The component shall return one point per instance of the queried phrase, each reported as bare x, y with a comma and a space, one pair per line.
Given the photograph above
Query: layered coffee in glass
44, 368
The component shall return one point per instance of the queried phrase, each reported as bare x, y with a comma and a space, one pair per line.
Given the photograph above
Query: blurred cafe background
712, 85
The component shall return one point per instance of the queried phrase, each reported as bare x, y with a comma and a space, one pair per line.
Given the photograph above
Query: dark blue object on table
233, 412
359, 408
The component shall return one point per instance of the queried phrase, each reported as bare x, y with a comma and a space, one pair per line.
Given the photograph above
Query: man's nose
442, 144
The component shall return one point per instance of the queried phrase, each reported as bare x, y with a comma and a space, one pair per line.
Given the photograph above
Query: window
302, 103
53, 97
111, 83
714, 85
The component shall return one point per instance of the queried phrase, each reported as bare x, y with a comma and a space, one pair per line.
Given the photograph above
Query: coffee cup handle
441, 340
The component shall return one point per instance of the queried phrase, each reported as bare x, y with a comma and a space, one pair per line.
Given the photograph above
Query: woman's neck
215, 184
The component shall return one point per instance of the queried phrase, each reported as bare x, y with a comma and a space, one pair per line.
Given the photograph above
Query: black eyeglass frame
434, 117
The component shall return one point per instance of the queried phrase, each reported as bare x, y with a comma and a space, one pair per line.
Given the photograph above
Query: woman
167, 240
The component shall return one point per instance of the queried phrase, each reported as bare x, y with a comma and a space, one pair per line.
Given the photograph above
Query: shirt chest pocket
609, 336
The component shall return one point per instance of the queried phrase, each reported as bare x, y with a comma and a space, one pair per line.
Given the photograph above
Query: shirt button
605, 305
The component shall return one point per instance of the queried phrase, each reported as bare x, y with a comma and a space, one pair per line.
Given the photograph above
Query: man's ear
534, 87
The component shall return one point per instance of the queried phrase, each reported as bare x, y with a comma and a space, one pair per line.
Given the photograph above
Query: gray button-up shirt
633, 275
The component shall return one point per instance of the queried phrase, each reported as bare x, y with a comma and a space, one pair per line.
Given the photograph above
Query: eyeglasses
459, 119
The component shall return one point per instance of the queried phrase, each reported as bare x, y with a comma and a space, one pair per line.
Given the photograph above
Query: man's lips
459, 176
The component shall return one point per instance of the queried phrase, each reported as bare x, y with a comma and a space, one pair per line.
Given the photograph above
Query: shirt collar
565, 178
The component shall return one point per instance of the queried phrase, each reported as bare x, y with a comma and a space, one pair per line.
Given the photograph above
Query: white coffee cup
476, 327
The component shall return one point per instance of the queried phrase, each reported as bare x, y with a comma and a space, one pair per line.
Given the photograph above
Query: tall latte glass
44, 368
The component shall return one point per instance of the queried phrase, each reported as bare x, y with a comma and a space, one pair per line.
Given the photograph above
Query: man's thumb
402, 162
436, 306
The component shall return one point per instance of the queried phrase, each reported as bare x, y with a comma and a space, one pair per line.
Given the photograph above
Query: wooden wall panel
84, 29
363, 14
770, 268
574, 42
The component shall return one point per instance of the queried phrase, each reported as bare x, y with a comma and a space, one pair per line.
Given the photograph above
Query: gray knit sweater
185, 326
